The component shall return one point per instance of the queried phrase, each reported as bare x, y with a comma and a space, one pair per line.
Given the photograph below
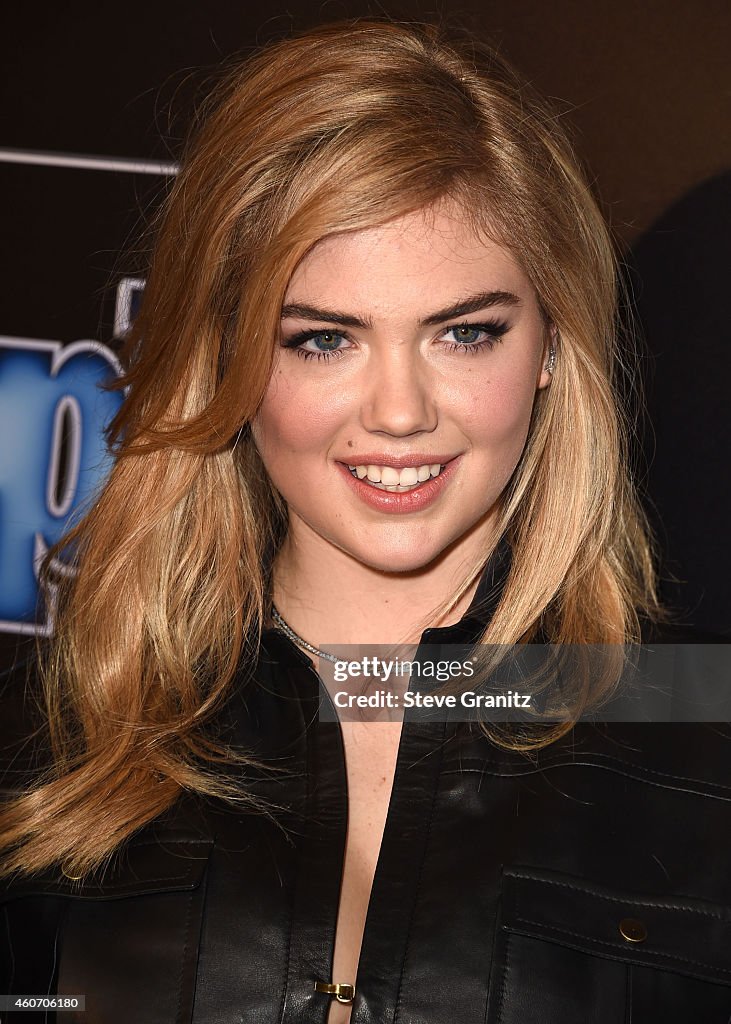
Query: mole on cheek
350, 444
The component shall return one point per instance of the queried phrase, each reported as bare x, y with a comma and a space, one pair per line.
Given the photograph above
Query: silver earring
551, 361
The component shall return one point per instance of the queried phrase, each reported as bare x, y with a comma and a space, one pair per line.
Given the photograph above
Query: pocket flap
680, 934
145, 867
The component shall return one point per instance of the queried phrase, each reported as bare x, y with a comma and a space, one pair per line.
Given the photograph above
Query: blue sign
52, 411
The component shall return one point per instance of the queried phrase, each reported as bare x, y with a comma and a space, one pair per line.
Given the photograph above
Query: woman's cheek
500, 415
294, 420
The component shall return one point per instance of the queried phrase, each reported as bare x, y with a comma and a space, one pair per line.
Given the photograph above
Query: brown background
645, 83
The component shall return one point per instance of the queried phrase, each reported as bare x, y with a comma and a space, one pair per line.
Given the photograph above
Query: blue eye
327, 344
466, 333
474, 338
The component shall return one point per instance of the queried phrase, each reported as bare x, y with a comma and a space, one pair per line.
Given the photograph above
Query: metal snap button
632, 930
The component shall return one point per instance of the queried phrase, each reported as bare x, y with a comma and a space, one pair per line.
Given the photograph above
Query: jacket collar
491, 584
483, 605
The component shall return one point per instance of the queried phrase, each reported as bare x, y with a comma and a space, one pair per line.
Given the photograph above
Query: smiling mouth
386, 478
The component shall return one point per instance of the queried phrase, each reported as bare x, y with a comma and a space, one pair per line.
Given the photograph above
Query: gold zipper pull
343, 993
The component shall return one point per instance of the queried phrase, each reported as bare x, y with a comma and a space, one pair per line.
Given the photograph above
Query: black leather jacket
588, 884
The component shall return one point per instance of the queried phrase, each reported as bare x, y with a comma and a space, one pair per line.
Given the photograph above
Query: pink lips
407, 501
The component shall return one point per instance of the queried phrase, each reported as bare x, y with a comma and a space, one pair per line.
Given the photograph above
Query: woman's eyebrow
470, 304
304, 312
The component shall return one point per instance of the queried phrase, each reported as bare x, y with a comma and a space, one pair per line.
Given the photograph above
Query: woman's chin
390, 559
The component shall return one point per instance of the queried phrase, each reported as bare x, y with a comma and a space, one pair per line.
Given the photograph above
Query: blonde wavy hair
337, 129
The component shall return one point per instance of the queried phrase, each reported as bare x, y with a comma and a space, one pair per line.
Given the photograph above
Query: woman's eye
317, 344
474, 337
466, 334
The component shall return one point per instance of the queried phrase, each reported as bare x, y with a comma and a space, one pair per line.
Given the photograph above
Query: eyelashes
298, 340
492, 332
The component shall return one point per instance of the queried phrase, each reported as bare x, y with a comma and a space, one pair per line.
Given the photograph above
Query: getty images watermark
382, 670
526, 683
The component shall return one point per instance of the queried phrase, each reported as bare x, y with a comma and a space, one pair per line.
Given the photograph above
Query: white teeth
388, 478
397, 488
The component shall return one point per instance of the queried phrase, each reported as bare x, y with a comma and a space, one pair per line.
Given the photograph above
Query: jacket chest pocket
570, 952
127, 943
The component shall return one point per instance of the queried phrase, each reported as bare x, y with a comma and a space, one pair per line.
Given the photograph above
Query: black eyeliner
302, 336
491, 326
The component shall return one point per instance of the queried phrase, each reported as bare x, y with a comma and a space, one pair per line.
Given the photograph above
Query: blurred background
96, 100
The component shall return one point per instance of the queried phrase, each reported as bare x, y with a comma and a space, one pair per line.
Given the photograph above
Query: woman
371, 390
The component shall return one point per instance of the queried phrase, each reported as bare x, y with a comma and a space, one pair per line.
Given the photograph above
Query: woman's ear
549, 356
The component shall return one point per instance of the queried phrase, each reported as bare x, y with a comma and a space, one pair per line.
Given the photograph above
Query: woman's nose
398, 395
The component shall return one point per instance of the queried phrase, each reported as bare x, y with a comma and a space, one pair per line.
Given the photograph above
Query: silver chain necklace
287, 629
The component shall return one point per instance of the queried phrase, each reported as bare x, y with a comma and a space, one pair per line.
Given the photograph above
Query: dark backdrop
645, 87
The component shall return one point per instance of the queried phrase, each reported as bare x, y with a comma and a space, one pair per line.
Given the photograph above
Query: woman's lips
393, 502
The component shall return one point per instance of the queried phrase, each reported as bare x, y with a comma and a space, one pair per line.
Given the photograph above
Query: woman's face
414, 349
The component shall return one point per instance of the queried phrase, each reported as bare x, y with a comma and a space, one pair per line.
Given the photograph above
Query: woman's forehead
426, 255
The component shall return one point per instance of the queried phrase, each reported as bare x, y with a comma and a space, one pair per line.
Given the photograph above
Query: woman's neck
328, 597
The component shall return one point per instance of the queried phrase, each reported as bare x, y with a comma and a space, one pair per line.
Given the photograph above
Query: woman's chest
370, 758
589, 887
489, 891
